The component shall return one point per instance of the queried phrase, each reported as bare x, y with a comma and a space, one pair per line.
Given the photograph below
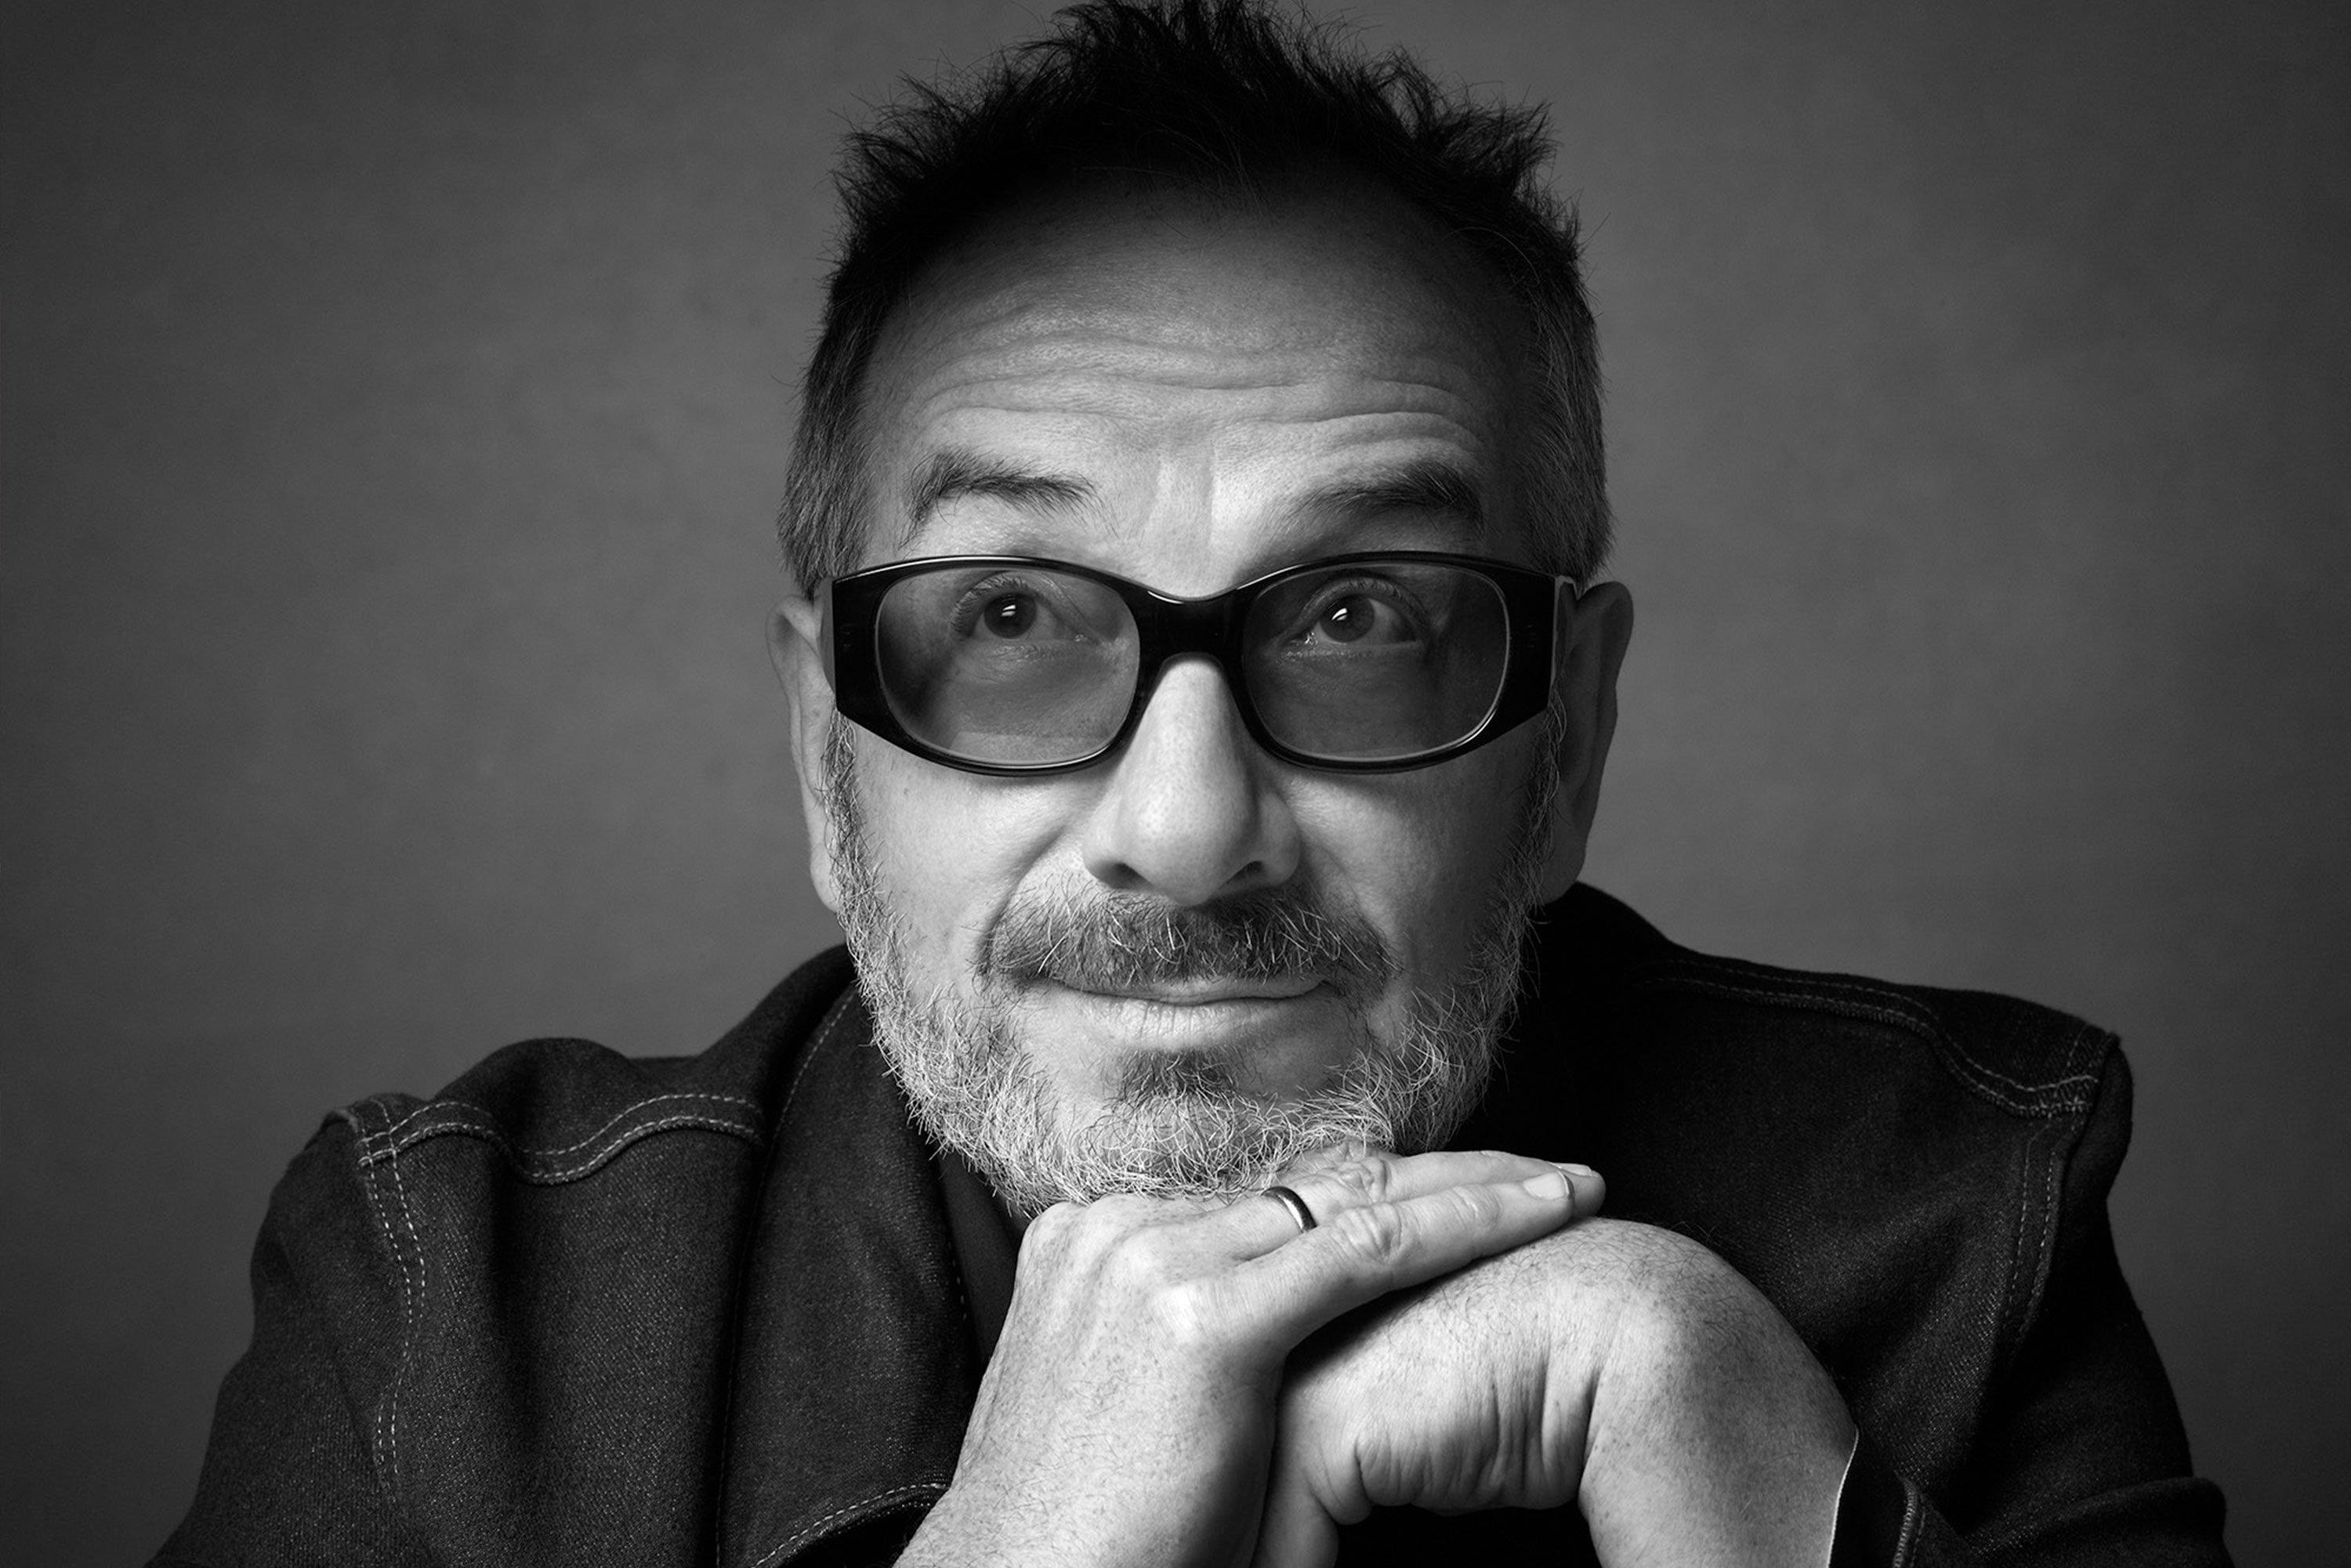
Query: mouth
1208, 1016
1200, 991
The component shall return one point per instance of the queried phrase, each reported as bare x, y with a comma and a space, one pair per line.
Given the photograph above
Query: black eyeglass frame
1169, 627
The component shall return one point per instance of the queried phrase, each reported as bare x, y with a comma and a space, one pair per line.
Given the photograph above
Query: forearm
1715, 1436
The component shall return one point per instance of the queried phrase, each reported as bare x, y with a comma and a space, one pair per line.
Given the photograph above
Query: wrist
1715, 1435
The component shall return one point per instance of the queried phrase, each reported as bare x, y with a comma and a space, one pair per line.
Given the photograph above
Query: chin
1178, 1122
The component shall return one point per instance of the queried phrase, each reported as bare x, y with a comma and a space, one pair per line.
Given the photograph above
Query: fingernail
1580, 1172
1551, 1185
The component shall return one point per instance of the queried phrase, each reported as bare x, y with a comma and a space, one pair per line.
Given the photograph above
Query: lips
1262, 1023
1201, 990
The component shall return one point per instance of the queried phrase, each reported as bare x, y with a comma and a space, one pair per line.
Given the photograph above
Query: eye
1350, 619
1008, 614
1014, 607
1358, 614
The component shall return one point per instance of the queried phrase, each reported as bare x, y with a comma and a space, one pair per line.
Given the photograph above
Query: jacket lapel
856, 1368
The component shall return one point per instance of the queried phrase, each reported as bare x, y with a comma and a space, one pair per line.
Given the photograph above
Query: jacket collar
856, 1368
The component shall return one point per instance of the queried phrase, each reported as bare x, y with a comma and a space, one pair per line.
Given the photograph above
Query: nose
1190, 811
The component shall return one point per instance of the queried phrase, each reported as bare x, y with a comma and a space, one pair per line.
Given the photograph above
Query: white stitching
1905, 1540
392, 1126
2005, 1308
391, 1245
463, 1116
617, 1116
408, 1342
825, 1031
830, 1027
387, 1422
526, 1161
2045, 1098
1896, 1005
2060, 1147
913, 1488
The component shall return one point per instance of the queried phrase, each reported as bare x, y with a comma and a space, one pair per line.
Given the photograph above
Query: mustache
1123, 939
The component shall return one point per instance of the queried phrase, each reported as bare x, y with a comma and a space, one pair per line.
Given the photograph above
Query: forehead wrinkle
1064, 369
1160, 365
1352, 496
1076, 413
968, 331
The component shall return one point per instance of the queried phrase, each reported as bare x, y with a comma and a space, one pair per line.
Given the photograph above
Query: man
1201, 691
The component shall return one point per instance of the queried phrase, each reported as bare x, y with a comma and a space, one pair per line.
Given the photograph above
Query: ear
1600, 628
794, 641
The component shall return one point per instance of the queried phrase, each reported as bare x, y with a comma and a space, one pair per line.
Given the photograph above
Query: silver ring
1303, 1216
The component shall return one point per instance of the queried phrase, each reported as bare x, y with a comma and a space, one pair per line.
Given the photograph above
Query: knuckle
1328, 1157
1122, 1210
1370, 1179
1476, 1208
1138, 1265
1376, 1236
1051, 1231
1085, 1236
1060, 1217
1190, 1314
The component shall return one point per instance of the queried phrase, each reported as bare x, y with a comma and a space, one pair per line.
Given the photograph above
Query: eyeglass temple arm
822, 597
1565, 593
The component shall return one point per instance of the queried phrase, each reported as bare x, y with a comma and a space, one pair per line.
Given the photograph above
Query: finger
1591, 1189
1330, 1182
1296, 1530
1351, 1173
1367, 1177
1360, 1254
1336, 1153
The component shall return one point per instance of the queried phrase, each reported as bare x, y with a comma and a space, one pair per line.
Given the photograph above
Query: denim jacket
584, 1309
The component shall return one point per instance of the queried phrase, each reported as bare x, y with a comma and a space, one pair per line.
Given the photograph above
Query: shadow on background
395, 403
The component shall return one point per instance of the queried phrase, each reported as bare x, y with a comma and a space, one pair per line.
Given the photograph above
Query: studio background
392, 410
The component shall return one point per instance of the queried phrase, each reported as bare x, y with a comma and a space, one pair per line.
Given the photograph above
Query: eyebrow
958, 472
1415, 484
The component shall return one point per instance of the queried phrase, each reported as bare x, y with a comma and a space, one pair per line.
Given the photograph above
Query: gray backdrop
393, 405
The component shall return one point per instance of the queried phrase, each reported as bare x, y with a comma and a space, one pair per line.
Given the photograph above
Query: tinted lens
1377, 661
1012, 665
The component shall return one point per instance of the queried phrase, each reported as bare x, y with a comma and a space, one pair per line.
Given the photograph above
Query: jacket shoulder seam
2028, 1275
425, 1110
409, 1263
550, 1165
2070, 1093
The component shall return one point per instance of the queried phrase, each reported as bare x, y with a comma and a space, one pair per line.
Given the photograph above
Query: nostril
1118, 876
1190, 811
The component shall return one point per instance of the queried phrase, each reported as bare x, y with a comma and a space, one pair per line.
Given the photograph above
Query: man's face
1168, 969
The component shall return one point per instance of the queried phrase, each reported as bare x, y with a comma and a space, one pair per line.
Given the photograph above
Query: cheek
1421, 854
952, 848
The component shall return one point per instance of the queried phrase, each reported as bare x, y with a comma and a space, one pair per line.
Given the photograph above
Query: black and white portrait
1192, 781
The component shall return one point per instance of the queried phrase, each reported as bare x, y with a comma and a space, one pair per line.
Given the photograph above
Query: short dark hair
1236, 95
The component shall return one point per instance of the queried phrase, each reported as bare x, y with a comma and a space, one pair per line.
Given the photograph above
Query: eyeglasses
1364, 663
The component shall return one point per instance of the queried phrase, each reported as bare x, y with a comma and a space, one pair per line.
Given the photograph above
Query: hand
1619, 1366
1128, 1414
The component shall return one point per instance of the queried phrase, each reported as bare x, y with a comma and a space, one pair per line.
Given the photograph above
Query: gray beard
1179, 1126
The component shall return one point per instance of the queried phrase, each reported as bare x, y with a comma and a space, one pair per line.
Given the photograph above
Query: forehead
1152, 379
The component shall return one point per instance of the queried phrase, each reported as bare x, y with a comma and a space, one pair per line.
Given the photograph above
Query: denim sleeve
2080, 1457
290, 1475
